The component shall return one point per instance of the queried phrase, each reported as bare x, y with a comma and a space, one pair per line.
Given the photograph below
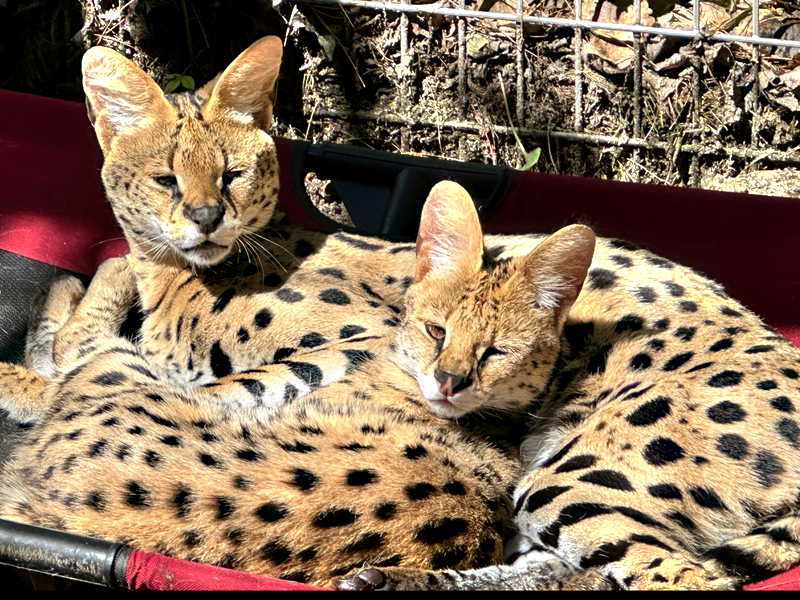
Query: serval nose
450, 384
207, 217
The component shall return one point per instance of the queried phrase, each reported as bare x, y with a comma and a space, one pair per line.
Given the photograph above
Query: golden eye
435, 331
166, 180
229, 176
491, 351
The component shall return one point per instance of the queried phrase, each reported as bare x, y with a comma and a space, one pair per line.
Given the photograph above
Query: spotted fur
663, 451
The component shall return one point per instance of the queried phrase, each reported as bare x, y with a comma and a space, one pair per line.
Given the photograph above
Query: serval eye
229, 176
166, 180
491, 351
435, 331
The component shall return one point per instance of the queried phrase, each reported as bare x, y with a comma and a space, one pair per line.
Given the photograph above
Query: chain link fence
670, 97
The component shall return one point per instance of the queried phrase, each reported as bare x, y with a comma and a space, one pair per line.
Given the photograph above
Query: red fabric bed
53, 212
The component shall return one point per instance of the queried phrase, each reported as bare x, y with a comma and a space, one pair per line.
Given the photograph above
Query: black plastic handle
63, 554
384, 192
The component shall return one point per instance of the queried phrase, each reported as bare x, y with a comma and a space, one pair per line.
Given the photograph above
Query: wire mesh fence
722, 70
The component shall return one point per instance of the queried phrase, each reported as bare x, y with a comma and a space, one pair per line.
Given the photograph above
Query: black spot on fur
312, 340
759, 349
415, 452
331, 272
361, 477
357, 357
677, 361
661, 451
723, 344
605, 554
783, 404
275, 552
682, 520
561, 453
368, 541
607, 478
288, 295
209, 461
790, 373
449, 559
729, 312
298, 447
419, 491
707, 498
645, 294
334, 296
733, 445
350, 330
334, 518
222, 300
685, 334
666, 491
582, 461
386, 511
675, 289
725, 379
137, 495
307, 372
687, 306
255, 387
766, 385
629, 323
305, 480
271, 512
767, 467
622, 261
602, 279
541, 498
282, 354
788, 429
726, 412
650, 412
248, 455
110, 378
440, 531
262, 318
224, 509
661, 325
220, 362
454, 488
640, 362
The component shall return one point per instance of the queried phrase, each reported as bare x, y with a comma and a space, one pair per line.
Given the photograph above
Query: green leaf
172, 84
531, 158
187, 82
3, 3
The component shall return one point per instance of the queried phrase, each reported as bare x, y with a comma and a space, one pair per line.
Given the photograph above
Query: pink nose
450, 384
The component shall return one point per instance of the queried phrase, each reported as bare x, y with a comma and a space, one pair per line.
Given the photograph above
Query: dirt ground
387, 81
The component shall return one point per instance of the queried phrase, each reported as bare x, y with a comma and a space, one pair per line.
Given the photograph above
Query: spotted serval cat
663, 451
193, 181
357, 473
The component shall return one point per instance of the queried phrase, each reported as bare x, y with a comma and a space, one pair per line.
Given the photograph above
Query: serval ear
119, 95
247, 88
450, 240
556, 269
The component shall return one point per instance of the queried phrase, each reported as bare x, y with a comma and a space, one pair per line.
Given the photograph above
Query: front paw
367, 580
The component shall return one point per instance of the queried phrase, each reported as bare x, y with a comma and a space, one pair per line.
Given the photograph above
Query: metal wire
637, 142
697, 32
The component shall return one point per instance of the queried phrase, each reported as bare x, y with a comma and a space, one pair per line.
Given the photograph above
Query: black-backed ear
119, 95
557, 268
450, 239
248, 87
